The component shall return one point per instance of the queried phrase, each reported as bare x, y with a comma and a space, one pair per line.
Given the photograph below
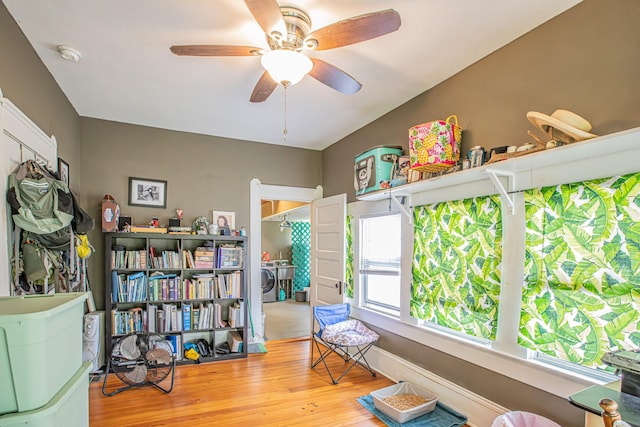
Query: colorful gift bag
435, 146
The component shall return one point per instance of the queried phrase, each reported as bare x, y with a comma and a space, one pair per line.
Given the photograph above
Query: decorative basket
435, 146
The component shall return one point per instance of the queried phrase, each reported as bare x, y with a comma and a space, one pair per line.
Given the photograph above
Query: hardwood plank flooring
276, 388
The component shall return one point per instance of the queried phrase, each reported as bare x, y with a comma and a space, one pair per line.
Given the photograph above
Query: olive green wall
203, 174
28, 84
586, 60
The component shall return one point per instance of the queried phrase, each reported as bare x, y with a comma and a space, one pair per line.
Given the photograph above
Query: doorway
258, 193
286, 251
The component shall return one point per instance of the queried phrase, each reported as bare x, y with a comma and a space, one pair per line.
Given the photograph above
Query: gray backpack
43, 206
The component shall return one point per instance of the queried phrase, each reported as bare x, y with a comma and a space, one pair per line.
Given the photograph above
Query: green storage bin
69, 407
40, 348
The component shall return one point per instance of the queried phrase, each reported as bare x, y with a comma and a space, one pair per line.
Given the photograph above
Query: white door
328, 250
20, 140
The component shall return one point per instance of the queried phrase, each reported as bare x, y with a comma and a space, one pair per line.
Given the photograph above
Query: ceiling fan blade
267, 14
215, 50
334, 77
356, 29
264, 88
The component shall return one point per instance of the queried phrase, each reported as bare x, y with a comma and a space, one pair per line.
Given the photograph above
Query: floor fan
139, 360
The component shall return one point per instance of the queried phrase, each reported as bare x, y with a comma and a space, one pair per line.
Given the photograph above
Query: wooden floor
276, 388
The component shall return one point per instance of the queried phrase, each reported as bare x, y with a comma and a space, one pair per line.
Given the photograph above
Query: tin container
476, 156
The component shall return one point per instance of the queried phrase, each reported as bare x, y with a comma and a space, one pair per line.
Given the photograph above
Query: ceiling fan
288, 33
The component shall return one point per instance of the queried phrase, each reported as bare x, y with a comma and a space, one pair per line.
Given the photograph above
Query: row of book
136, 287
201, 258
128, 288
236, 314
124, 259
173, 318
128, 321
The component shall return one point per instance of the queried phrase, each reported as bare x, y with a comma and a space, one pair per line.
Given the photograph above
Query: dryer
269, 284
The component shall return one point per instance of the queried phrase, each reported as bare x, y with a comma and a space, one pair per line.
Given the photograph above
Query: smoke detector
69, 53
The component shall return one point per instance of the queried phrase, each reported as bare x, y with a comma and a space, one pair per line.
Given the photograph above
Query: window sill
552, 379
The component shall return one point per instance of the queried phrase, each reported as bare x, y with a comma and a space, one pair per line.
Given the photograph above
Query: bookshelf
186, 287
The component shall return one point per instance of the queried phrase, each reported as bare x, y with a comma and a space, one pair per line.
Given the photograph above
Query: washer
269, 282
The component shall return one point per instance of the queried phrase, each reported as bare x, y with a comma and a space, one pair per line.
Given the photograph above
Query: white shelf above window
601, 157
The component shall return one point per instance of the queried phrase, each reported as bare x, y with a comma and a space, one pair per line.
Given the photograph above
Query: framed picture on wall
147, 192
63, 171
224, 219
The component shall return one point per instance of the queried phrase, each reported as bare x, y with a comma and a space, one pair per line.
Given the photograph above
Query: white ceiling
127, 73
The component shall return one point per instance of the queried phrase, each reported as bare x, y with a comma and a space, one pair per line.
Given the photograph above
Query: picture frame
146, 192
224, 219
63, 171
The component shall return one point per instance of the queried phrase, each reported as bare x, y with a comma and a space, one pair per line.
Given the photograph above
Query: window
457, 265
581, 294
380, 245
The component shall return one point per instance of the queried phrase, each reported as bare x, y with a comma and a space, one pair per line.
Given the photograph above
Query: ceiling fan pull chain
284, 131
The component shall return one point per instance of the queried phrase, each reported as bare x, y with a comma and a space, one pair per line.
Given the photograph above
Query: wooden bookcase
148, 273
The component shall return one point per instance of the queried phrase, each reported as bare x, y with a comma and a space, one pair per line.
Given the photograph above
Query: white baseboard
480, 412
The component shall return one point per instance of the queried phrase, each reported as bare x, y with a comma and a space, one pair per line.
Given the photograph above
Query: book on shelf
220, 323
228, 285
176, 345
235, 342
152, 315
195, 317
186, 316
236, 314
187, 259
127, 321
203, 257
165, 287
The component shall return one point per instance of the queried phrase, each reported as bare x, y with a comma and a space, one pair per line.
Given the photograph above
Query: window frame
363, 274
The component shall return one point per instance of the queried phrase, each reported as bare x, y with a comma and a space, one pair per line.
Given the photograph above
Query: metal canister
476, 156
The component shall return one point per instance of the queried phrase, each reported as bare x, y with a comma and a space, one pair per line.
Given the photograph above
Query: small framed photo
224, 219
147, 192
63, 171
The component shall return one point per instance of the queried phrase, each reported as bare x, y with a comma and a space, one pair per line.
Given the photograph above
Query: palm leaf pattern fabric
581, 295
348, 264
456, 265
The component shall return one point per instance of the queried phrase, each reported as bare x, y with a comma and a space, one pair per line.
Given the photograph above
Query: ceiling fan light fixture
286, 66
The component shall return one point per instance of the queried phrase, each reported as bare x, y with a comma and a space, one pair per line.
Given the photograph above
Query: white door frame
257, 193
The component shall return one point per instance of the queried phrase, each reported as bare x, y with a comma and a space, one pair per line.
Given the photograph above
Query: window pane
383, 290
582, 288
456, 265
381, 243
380, 261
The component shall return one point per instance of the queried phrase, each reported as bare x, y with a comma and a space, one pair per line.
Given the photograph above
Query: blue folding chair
333, 330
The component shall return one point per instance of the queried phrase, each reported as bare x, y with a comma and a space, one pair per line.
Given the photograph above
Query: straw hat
564, 121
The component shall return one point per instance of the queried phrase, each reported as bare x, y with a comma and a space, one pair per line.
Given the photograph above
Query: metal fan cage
141, 359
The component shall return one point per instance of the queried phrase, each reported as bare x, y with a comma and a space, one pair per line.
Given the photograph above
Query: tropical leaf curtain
581, 294
456, 265
348, 264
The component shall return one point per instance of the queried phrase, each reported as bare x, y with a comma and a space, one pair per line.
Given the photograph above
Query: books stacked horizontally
203, 258
235, 342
